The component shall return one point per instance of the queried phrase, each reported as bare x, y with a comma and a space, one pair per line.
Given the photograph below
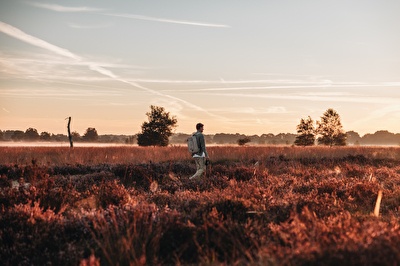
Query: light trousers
200, 165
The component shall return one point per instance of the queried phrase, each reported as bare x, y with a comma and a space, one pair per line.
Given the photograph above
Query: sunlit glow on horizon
257, 73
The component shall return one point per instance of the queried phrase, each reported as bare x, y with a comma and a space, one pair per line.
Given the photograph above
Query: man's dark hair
199, 125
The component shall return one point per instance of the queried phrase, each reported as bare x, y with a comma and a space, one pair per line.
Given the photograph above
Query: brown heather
257, 205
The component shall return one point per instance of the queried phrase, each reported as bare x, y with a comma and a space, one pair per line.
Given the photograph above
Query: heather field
272, 205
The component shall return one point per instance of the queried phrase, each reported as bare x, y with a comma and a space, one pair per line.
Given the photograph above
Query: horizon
188, 133
234, 66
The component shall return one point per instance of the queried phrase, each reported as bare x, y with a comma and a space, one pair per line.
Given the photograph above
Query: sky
248, 67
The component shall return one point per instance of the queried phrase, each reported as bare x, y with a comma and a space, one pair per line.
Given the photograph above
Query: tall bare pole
71, 145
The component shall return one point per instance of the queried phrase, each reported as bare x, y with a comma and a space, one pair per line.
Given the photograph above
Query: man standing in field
201, 156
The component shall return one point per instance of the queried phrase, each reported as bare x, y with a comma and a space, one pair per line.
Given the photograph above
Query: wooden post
378, 203
69, 133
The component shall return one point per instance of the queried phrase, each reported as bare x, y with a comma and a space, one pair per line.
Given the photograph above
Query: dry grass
256, 206
137, 155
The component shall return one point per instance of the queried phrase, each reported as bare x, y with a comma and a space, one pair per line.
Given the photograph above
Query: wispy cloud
252, 110
59, 8
387, 110
5, 110
47, 69
164, 20
300, 85
385, 117
35, 59
246, 81
18, 34
87, 27
272, 84
76, 94
310, 97
174, 107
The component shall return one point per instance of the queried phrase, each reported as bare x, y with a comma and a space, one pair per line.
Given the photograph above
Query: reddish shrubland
256, 206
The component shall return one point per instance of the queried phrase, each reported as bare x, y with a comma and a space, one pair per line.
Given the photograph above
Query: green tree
306, 133
1, 135
45, 136
353, 137
158, 129
90, 135
131, 139
330, 129
17, 135
243, 141
31, 134
76, 136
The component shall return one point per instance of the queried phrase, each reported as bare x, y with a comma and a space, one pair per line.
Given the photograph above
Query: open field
256, 206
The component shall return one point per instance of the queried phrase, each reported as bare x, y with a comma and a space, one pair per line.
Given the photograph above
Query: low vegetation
256, 206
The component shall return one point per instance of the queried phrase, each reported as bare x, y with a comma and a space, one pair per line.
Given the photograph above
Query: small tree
353, 137
243, 141
330, 129
45, 136
131, 139
158, 129
17, 135
76, 136
31, 134
90, 135
306, 133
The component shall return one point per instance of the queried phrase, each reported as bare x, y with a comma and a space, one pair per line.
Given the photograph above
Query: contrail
191, 23
18, 34
59, 8
317, 98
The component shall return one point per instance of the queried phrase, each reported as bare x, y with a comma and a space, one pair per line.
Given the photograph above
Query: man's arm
203, 145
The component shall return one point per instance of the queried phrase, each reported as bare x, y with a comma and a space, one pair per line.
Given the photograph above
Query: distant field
118, 154
55, 144
270, 205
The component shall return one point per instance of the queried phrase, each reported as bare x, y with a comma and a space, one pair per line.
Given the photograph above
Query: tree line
327, 131
31, 134
158, 131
